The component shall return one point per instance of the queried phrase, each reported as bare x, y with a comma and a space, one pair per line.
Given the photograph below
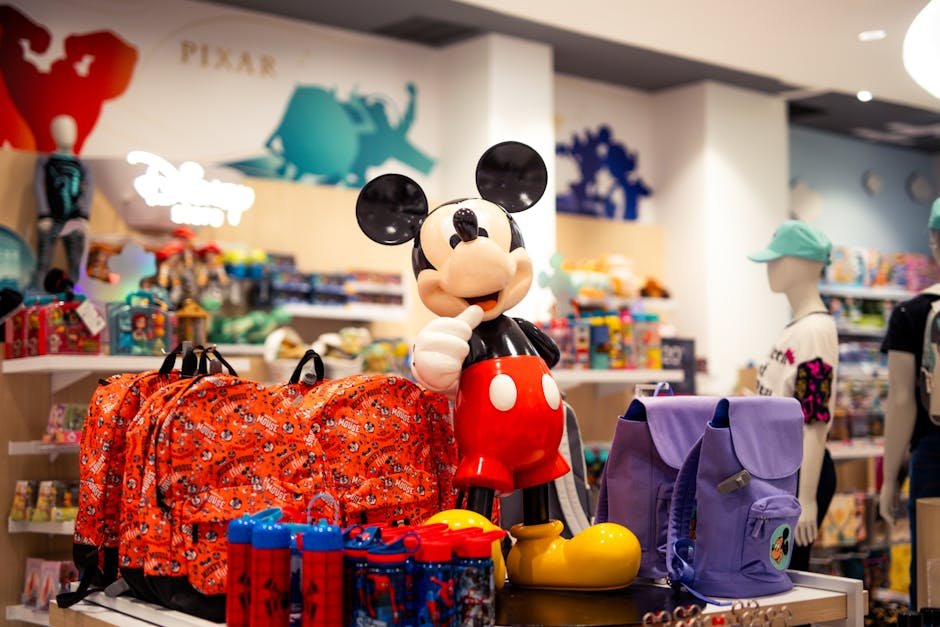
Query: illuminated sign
191, 198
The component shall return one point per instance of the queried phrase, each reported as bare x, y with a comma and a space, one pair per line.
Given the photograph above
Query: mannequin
63, 195
907, 421
803, 364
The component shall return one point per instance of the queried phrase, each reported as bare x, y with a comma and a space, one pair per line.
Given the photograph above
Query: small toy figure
471, 266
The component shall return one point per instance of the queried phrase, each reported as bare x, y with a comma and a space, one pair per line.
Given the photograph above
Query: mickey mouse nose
465, 223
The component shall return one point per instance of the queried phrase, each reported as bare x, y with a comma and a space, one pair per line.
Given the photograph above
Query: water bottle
436, 603
238, 587
322, 576
270, 575
385, 588
473, 574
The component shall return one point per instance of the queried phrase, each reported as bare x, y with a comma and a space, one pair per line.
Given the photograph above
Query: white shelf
240, 350
355, 311
858, 331
67, 369
27, 615
64, 528
374, 287
856, 448
609, 381
147, 612
618, 302
891, 596
38, 447
861, 291
861, 371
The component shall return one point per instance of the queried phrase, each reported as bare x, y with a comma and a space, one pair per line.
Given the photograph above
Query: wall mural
97, 67
333, 142
607, 186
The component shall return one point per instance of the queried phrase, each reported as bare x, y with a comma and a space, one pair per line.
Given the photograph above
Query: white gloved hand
888, 501
806, 528
44, 224
441, 347
74, 225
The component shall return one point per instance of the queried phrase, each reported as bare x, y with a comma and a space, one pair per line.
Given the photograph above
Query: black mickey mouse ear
390, 209
512, 175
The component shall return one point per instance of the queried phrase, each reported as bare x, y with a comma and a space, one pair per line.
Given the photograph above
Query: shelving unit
38, 447
26, 615
863, 292
355, 311
856, 448
609, 381
67, 369
54, 528
240, 350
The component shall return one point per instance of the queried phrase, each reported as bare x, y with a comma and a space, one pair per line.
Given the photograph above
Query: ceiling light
922, 48
864, 95
872, 35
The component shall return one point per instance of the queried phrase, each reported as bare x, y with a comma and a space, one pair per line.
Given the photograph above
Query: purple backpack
651, 441
733, 506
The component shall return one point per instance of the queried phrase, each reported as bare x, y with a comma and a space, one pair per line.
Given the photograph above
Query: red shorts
509, 420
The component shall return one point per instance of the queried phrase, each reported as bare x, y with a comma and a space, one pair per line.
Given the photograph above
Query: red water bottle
322, 576
270, 575
238, 587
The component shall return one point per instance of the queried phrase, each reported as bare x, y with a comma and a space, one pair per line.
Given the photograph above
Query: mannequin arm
39, 187
900, 416
88, 192
814, 447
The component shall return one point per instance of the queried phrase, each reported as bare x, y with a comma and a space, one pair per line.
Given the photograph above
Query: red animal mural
97, 67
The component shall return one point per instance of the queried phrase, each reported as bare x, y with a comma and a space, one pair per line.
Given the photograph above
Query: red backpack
388, 444
113, 407
221, 447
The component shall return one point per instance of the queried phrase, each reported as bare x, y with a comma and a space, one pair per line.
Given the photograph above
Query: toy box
24, 499
65, 423
53, 578
31, 580
140, 327
45, 500
62, 331
15, 335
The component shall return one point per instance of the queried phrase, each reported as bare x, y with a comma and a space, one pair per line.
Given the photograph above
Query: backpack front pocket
769, 537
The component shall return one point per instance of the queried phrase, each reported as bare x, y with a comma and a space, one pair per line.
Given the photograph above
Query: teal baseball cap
934, 221
795, 238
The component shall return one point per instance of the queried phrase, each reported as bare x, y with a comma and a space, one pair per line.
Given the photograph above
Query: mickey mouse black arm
546, 347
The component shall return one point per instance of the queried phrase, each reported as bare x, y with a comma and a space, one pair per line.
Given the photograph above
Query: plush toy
471, 266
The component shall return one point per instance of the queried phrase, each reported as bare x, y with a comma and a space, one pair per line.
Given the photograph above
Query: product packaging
24, 500
30, 593
54, 576
140, 327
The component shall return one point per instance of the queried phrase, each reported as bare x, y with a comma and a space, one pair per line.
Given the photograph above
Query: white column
498, 88
722, 161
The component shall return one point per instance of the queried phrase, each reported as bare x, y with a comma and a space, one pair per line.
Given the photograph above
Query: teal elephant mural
323, 139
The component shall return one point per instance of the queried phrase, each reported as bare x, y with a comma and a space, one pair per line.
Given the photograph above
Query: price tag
91, 317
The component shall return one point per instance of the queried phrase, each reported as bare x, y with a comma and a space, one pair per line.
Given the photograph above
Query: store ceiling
813, 44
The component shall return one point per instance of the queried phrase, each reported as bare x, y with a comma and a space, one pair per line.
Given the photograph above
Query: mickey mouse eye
454, 240
483, 232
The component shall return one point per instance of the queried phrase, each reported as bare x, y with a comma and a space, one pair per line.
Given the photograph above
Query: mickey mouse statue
471, 266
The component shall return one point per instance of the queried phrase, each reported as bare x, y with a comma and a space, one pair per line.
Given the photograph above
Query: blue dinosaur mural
597, 153
333, 142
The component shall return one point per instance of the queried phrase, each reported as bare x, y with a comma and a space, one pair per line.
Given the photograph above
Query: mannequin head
786, 274
64, 132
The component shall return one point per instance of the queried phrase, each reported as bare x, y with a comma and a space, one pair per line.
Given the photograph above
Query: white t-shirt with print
802, 364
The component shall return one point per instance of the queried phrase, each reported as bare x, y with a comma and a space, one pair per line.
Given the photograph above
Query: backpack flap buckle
735, 482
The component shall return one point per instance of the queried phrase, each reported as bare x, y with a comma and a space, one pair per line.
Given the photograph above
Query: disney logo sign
191, 198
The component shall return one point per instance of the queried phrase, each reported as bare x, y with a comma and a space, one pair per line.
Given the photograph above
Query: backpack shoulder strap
572, 508
680, 546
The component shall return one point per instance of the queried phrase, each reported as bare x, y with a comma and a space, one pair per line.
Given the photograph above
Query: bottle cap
323, 537
268, 535
437, 548
396, 552
239, 530
480, 545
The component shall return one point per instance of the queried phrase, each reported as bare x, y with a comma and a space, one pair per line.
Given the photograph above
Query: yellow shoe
603, 557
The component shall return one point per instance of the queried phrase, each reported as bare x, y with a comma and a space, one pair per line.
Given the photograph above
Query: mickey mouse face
467, 251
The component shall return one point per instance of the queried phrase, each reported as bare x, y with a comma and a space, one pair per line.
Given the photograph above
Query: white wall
721, 157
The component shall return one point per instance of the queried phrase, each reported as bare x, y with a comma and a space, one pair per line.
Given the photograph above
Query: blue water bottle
357, 540
435, 595
323, 575
473, 573
385, 586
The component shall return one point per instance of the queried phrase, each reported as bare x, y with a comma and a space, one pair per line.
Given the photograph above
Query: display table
816, 599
